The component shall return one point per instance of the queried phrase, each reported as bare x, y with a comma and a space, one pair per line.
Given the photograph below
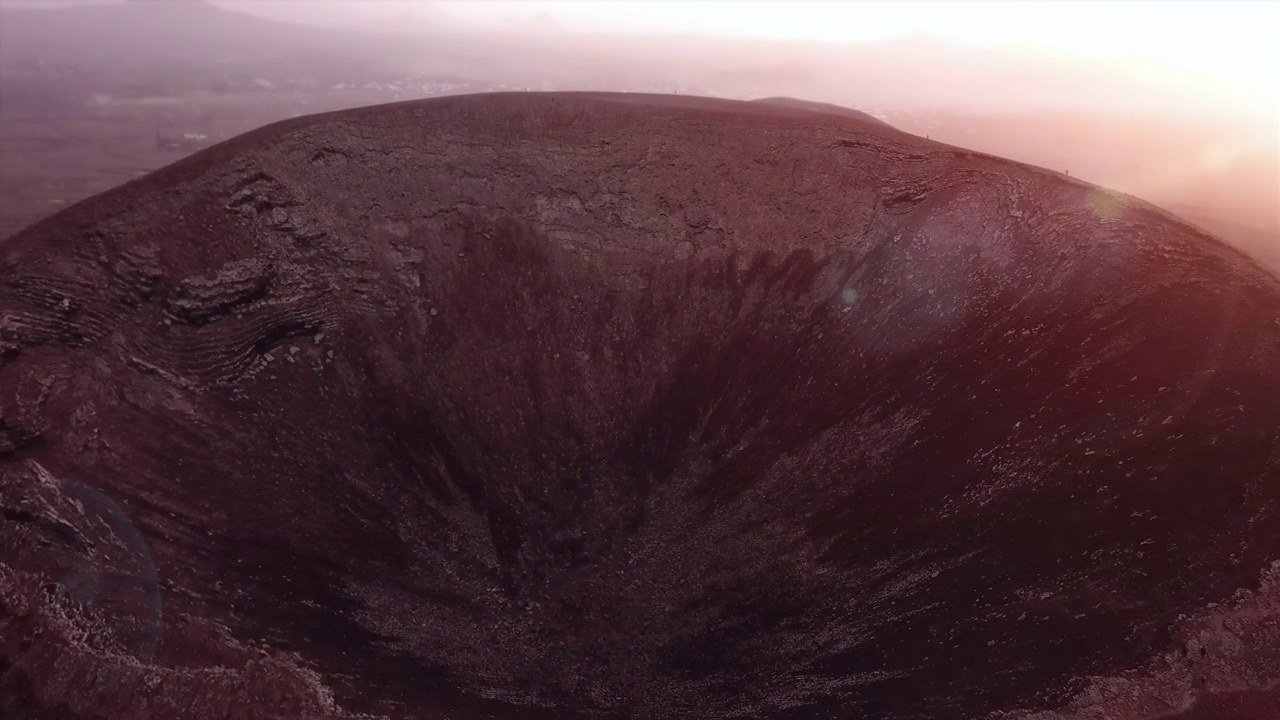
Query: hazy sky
1229, 44
1216, 40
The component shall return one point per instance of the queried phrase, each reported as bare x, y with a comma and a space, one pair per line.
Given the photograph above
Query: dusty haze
1172, 102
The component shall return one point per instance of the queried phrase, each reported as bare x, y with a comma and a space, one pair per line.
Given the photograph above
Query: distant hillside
821, 107
185, 34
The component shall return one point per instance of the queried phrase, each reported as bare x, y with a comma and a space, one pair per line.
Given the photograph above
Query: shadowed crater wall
579, 405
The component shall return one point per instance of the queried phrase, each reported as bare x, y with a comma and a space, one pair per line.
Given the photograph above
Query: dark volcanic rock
625, 406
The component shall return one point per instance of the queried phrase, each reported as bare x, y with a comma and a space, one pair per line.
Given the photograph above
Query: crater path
606, 406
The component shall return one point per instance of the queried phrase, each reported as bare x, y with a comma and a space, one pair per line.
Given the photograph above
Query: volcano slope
595, 406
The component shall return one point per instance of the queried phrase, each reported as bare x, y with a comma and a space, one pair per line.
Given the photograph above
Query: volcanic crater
606, 405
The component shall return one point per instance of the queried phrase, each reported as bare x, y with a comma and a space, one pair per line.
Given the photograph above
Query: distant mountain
184, 33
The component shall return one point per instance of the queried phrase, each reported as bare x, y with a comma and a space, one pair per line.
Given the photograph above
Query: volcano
624, 406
